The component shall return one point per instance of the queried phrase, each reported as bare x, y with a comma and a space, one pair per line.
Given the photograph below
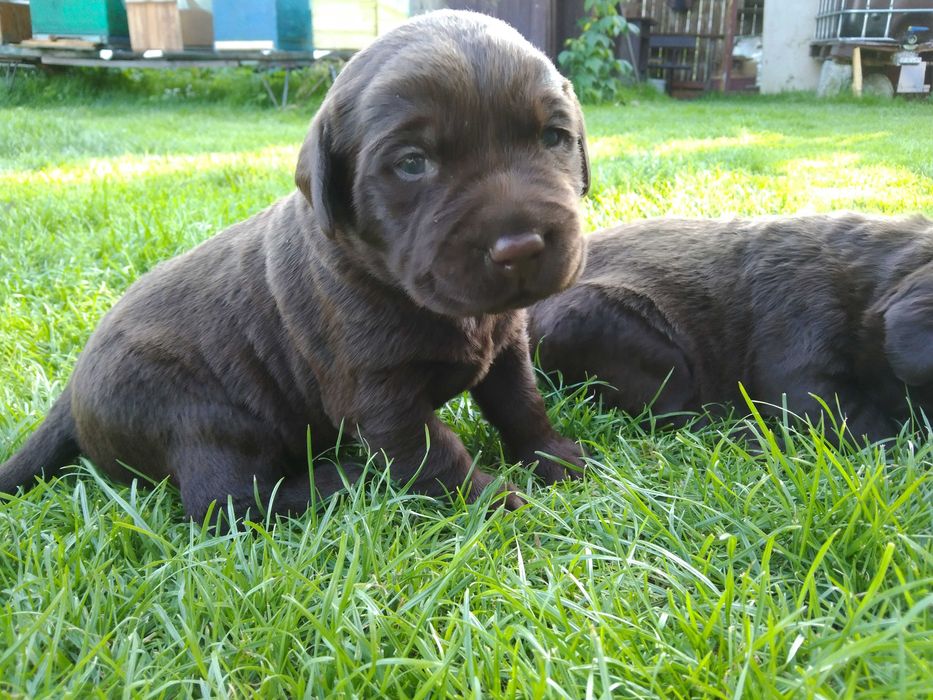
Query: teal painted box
99, 21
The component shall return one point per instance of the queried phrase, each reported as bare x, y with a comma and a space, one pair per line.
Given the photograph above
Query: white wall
788, 27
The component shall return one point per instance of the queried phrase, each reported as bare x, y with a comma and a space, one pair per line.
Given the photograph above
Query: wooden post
732, 21
857, 71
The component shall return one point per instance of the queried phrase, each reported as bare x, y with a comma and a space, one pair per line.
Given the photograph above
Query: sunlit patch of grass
693, 563
843, 182
126, 167
724, 158
744, 139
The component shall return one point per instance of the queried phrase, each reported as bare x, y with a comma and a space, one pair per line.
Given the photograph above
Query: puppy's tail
51, 447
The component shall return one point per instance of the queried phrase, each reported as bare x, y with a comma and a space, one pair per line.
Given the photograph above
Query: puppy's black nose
509, 251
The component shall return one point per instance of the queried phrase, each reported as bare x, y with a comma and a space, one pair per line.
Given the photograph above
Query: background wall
789, 26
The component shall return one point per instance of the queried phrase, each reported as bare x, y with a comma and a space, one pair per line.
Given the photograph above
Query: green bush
590, 61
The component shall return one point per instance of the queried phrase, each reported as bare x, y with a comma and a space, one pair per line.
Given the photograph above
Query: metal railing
883, 21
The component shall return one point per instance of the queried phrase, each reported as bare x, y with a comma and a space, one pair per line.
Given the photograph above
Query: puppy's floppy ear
584, 159
319, 176
908, 328
581, 139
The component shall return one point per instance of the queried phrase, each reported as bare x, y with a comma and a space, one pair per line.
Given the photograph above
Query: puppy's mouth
519, 300
498, 294
471, 307
530, 290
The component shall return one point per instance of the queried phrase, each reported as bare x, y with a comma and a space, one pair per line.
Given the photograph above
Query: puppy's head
449, 158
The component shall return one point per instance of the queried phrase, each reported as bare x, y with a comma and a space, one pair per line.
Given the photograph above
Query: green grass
685, 565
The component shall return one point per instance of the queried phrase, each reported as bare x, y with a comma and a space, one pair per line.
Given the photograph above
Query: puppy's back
780, 304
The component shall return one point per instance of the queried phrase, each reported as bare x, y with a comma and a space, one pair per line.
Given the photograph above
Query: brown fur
837, 306
367, 298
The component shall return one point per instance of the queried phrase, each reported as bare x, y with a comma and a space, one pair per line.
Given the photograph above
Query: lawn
686, 564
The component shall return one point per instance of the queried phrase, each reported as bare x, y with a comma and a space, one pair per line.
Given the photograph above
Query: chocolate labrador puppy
836, 306
438, 194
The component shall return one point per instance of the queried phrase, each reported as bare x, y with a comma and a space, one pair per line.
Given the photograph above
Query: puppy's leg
582, 333
863, 416
509, 398
427, 453
242, 466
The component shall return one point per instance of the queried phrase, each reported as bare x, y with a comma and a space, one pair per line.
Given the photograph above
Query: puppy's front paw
480, 481
512, 500
559, 450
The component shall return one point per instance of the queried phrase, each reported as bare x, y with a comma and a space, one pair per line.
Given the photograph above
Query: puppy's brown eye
412, 166
552, 137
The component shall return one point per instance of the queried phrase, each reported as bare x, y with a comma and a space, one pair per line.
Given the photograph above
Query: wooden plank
154, 25
135, 63
169, 61
16, 55
673, 41
14, 23
857, 71
56, 43
534, 19
197, 27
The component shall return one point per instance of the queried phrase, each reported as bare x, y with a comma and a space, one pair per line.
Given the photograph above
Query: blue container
280, 25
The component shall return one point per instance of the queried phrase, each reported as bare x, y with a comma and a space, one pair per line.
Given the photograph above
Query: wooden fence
712, 25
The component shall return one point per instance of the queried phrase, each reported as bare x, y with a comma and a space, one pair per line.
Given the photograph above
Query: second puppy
840, 307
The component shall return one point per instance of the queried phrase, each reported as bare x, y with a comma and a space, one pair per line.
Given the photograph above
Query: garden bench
676, 53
